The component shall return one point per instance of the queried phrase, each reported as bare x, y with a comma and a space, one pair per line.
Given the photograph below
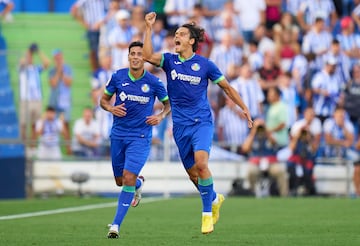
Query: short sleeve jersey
187, 82
138, 95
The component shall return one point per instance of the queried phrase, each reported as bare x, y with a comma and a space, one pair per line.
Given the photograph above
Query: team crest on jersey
195, 67
145, 88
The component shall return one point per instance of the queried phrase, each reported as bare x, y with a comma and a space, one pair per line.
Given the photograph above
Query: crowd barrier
169, 178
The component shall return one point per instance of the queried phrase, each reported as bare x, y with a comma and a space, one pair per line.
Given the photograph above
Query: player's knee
201, 169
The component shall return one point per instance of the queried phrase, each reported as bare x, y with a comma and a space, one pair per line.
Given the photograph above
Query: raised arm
148, 52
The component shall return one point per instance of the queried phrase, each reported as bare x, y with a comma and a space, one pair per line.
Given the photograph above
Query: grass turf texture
244, 221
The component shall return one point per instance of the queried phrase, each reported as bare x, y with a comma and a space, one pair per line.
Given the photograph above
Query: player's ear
192, 41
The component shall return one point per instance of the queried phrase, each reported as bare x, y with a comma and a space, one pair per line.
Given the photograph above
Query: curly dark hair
196, 32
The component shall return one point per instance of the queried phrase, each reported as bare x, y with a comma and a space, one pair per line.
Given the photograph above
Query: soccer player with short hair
187, 81
135, 90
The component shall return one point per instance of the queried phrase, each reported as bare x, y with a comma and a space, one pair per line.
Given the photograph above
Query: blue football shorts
129, 154
190, 139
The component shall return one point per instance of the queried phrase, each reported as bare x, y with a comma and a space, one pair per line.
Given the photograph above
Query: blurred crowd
296, 64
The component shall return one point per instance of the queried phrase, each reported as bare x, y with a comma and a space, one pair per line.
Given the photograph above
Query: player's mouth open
177, 43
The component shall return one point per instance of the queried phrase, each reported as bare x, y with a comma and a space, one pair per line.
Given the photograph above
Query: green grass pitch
244, 221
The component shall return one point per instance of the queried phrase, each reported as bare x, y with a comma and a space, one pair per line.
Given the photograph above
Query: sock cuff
129, 188
205, 182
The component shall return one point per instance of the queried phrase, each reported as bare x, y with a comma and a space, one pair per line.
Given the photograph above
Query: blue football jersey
139, 97
187, 82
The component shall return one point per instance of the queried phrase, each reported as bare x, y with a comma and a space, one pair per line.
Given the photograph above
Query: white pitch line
68, 210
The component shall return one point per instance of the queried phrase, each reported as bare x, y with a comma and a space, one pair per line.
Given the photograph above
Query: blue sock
124, 202
206, 193
138, 183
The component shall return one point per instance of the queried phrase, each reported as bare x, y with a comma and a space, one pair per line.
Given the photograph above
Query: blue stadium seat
3, 84
6, 97
8, 117
9, 132
11, 150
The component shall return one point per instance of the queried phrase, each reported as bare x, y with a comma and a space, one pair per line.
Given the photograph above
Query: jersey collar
183, 59
133, 78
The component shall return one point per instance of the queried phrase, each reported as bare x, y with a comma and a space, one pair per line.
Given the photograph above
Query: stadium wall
12, 177
168, 178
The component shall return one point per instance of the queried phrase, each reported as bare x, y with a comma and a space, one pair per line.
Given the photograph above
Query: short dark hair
196, 32
277, 90
136, 44
50, 108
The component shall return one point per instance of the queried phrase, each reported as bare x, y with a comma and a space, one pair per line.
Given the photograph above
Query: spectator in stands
356, 175
268, 73
261, 148
272, 14
227, 22
146, 5
317, 41
276, 118
61, 78
349, 39
86, 136
120, 39
355, 14
232, 127
310, 10
302, 70
104, 118
91, 15
286, 23
264, 42
254, 56
226, 53
292, 7
99, 79
160, 131
6, 7
304, 144
343, 64
109, 23
249, 89
352, 97
339, 136
326, 90
213, 8
31, 91
137, 18
285, 50
198, 18
177, 12
289, 96
49, 130
159, 34
251, 16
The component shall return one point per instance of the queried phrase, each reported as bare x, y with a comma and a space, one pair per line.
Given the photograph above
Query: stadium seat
9, 132
6, 97
11, 150
8, 118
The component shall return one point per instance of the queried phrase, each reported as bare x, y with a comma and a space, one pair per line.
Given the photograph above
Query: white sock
207, 213
216, 200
